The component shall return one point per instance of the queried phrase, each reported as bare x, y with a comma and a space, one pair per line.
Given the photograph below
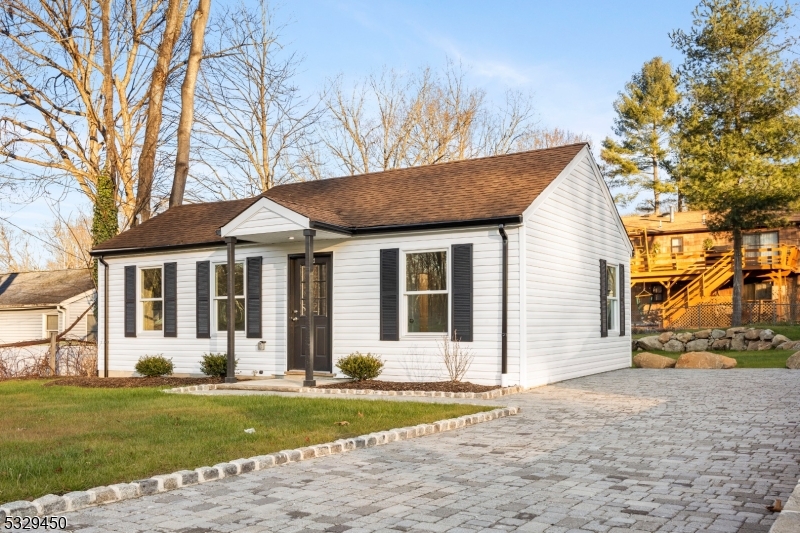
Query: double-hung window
221, 295
612, 300
151, 296
426, 293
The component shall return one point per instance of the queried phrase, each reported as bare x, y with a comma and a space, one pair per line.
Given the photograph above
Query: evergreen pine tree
644, 124
738, 136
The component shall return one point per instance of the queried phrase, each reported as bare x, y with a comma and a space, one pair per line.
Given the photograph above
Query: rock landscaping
702, 360
735, 339
793, 362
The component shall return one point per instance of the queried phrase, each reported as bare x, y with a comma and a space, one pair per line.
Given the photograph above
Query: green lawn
752, 359
60, 439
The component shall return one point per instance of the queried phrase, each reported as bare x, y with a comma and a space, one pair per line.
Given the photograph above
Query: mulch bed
129, 383
433, 386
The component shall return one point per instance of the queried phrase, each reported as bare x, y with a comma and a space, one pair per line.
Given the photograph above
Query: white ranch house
401, 259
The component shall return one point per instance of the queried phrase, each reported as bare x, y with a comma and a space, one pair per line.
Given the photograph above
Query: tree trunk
736, 318
199, 21
656, 202
176, 10
109, 124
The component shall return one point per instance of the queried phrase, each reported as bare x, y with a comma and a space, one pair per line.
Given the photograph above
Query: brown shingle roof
185, 225
460, 191
20, 289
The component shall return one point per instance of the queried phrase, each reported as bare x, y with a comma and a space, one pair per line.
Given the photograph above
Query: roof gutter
323, 226
507, 220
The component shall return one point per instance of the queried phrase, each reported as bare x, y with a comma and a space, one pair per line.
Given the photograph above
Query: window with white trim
50, 324
221, 295
612, 307
425, 292
151, 298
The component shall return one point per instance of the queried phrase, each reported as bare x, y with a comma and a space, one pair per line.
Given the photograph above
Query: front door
298, 316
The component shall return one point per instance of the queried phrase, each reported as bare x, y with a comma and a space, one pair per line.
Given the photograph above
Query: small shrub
154, 365
216, 364
360, 366
456, 358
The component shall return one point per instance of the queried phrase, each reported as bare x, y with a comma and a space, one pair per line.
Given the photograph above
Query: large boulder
766, 335
730, 332
752, 334
665, 337
764, 345
697, 345
738, 343
717, 334
684, 337
702, 334
777, 340
651, 360
650, 343
794, 361
788, 345
704, 360
721, 344
752, 346
674, 346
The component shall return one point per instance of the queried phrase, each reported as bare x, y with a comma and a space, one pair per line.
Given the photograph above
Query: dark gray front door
298, 316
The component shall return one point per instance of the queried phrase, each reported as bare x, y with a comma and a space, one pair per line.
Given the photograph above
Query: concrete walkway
632, 450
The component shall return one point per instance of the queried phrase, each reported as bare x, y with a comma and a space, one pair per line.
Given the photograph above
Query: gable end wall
574, 227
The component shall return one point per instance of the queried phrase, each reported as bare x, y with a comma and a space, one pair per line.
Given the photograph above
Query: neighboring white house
402, 259
33, 304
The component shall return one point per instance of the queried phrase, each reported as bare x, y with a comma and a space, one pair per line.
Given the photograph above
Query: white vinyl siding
567, 234
355, 313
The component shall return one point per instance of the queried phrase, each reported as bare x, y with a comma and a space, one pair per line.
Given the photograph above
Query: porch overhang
268, 222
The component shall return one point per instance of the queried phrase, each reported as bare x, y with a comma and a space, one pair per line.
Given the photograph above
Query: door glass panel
319, 295
427, 313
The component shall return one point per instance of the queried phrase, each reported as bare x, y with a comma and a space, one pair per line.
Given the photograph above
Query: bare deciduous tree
395, 120
251, 118
16, 254
199, 21
69, 242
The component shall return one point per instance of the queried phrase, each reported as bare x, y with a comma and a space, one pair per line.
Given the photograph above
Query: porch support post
312, 352
230, 376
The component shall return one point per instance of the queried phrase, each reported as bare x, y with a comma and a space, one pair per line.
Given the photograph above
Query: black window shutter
462, 292
170, 299
622, 287
203, 299
390, 294
130, 301
603, 299
253, 298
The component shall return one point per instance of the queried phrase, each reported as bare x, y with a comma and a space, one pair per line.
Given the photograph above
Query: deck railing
779, 257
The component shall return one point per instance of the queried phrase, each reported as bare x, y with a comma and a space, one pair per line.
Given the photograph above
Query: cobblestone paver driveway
633, 450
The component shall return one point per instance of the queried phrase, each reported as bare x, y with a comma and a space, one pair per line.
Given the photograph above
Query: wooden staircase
698, 289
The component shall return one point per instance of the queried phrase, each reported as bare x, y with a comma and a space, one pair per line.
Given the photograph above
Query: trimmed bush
152, 366
216, 364
360, 366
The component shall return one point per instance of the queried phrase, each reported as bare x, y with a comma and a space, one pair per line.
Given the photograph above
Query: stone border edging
51, 504
488, 395
789, 519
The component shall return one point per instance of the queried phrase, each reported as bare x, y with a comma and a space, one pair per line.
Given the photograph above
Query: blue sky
574, 56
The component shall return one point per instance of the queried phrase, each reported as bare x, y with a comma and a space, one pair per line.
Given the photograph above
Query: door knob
294, 319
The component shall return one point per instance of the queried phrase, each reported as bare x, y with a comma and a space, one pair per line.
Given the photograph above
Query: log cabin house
682, 274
